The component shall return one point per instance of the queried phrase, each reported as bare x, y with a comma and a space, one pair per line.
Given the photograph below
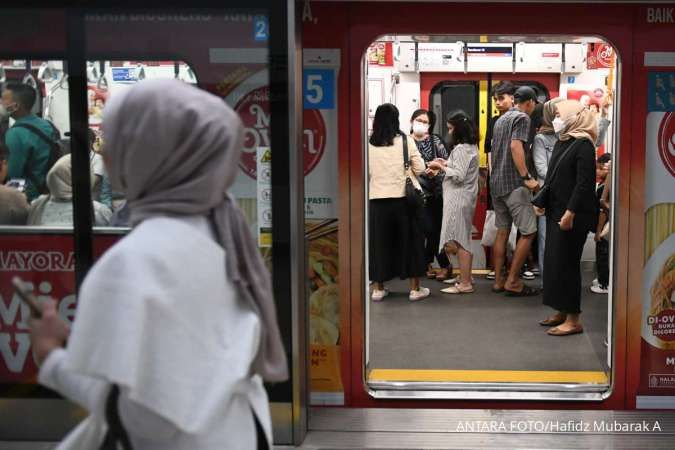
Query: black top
573, 187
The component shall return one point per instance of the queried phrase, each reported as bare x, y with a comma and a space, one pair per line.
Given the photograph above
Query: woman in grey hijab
178, 317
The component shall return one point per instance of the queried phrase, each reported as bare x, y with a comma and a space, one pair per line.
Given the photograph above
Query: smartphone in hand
27, 297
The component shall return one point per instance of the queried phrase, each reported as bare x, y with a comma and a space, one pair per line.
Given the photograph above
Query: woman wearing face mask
542, 150
571, 210
460, 191
431, 147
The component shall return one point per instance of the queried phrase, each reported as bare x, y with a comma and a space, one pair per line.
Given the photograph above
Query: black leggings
433, 218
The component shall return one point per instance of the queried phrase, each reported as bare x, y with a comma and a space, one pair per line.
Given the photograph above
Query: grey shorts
515, 207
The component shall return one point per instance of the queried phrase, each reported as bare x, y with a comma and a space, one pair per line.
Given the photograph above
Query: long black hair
385, 125
464, 130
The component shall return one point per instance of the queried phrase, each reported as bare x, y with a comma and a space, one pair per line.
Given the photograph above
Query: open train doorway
473, 339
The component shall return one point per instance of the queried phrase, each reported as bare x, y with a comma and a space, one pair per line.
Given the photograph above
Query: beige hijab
579, 122
550, 110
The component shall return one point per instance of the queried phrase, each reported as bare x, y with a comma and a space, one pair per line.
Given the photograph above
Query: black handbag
541, 199
414, 196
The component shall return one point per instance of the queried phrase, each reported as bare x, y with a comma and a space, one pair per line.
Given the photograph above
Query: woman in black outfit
431, 147
571, 210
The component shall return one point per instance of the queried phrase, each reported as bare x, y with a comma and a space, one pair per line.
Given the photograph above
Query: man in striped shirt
511, 186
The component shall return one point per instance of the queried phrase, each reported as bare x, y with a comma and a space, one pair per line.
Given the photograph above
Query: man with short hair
29, 153
511, 186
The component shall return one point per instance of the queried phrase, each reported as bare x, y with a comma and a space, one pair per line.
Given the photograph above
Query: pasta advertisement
657, 361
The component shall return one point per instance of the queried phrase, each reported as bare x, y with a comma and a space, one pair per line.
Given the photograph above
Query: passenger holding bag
395, 240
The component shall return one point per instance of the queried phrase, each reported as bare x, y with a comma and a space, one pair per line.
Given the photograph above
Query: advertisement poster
381, 54
657, 357
599, 56
320, 75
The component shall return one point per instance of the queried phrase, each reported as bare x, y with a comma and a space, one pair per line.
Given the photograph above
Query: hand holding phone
27, 297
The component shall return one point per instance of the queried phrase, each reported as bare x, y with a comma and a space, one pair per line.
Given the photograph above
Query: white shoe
453, 280
595, 282
599, 289
419, 294
378, 295
491, 275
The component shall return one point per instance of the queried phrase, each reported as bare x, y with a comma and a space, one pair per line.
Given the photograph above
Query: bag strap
116, 432
38, 132
555, 169
406, 161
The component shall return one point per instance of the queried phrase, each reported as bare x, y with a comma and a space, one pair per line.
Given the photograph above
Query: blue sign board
124, 74
318, 88
261, 28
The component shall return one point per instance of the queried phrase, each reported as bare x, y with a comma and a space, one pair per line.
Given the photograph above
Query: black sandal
527, 291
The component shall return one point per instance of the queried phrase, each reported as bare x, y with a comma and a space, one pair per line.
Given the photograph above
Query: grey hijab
174, 150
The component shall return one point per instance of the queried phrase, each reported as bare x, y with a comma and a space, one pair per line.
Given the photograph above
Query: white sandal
457, 290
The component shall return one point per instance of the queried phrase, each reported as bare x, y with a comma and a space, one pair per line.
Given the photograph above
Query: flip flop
551, 322
527, 291
555, 331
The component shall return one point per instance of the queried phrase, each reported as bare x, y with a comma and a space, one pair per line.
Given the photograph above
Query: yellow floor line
489, 376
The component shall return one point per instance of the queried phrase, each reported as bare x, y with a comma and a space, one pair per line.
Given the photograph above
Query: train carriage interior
483, 341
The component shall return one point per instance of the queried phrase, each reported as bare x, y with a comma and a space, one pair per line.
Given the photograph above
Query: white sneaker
419, 294
595, 282
378, 295
599, 289
491, 275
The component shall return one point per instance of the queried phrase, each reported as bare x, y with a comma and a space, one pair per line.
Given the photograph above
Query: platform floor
482, 331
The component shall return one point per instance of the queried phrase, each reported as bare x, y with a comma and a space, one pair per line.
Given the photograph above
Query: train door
231, 53
459, 346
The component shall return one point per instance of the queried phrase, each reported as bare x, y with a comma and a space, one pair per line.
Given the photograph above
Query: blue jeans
541, 244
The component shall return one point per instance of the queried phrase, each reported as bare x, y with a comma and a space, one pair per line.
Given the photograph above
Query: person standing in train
176, 324
460, 192
502, 95
431, 147
542, 150
571, 210
511, 186
396, 240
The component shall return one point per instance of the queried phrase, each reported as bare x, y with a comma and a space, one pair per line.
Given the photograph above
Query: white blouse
229, 339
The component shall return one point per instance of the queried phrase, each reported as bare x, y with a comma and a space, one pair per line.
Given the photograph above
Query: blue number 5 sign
318, 89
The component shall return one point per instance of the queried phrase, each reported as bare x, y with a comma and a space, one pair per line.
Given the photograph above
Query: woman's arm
584, 187
441, 151
88, 392
540, 156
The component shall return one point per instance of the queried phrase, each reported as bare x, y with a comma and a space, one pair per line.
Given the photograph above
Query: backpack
57, 148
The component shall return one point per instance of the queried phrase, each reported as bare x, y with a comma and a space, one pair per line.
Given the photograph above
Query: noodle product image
663, 288
659, 225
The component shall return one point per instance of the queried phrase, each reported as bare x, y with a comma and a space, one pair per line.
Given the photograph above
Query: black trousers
396, 241
433, 221
562, 259
602, 262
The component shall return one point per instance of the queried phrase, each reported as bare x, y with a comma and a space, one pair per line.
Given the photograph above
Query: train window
34, 145
438, 316
106, 79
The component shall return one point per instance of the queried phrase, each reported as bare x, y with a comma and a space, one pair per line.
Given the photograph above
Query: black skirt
396, 241
562, 259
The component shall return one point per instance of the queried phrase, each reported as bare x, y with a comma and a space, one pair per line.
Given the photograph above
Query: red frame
351, 27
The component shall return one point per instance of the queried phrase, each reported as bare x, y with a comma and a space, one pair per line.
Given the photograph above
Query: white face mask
419, 128
558, 124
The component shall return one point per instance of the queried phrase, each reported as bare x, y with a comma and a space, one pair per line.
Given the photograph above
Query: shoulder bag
414, 196
541, 200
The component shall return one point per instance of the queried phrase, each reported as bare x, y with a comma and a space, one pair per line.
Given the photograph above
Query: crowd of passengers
36, 185
546, 184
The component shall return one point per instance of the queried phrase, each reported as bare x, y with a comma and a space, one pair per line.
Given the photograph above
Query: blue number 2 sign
318, 88
261, 28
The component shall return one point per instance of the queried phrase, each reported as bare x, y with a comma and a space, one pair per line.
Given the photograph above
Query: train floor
482, 331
